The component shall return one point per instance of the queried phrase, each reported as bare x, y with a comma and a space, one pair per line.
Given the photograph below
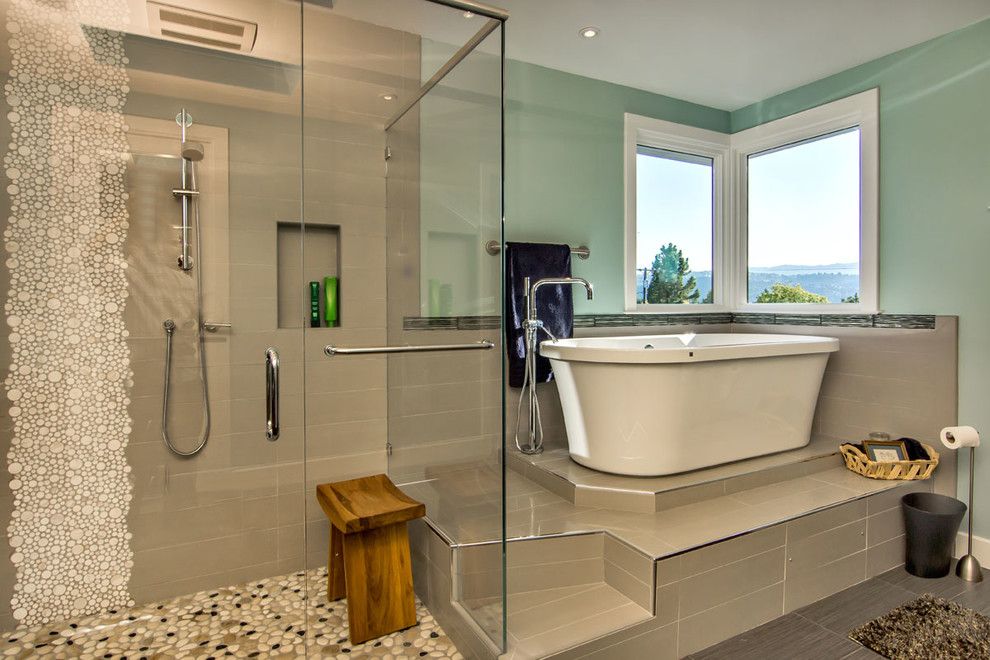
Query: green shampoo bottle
330, 285
314, 304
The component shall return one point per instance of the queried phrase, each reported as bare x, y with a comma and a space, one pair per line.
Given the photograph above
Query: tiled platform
264, 619
555, 471
684, 578
532, 510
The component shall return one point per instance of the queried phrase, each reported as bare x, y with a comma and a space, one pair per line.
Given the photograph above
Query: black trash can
931, 523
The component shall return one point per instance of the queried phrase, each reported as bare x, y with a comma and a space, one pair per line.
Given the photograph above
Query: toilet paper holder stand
968, 567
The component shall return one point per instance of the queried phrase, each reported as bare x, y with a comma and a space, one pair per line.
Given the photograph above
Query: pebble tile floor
262, 619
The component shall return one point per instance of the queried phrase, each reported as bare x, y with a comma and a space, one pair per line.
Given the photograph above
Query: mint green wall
564, 183
564, 165
934, 198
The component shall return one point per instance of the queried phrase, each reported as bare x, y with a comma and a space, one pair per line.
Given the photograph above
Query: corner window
803, 213
675, 202
675, 227
782, 216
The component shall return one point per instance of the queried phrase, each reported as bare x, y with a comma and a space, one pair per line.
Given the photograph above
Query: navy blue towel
554, 304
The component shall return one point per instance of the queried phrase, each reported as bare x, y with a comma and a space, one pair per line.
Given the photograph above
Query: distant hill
834, 281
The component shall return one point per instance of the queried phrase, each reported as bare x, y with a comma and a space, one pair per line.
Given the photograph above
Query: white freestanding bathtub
663, 404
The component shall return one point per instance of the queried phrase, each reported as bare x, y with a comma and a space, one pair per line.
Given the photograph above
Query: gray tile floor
820, 630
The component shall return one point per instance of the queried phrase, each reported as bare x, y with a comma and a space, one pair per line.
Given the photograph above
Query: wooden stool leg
378, 571
335, 566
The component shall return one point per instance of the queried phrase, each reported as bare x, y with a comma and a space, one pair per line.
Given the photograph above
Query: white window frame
860, 110
729, 154
659, 134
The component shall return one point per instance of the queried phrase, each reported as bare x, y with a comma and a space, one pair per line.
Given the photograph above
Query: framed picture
885, 451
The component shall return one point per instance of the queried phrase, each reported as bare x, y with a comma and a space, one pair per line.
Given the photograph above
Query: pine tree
667, 283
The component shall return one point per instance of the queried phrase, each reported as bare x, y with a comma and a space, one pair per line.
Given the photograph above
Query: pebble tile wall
68, 382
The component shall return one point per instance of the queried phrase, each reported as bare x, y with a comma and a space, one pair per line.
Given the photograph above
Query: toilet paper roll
957, 437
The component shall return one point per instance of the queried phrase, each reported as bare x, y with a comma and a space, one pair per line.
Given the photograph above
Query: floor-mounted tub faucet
532, 326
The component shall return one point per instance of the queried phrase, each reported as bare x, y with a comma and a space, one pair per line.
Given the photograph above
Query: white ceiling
724, 53
720, 53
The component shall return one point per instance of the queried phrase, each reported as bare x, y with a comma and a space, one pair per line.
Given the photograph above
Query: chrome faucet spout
531, 290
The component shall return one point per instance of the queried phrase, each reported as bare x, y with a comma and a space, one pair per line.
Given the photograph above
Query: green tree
854, 298
667, 283
789, 293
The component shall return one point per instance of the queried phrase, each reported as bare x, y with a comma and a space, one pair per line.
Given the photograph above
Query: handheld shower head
192, 151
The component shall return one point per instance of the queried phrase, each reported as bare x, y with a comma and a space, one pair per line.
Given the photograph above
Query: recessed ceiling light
589, 32
388, 97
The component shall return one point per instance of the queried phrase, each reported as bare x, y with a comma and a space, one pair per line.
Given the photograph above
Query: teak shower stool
369, 559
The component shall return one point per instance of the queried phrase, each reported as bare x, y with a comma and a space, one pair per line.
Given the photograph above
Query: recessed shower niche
306, 255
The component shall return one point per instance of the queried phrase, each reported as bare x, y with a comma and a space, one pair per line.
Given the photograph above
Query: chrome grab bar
271, 393
482, 345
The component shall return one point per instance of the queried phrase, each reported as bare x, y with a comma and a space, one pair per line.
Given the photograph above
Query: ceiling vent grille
201, 29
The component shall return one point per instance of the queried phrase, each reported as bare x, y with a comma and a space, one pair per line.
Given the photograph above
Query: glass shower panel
397, 213
106, 522
445, 409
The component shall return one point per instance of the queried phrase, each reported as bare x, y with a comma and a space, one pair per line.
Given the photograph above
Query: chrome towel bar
482, 345
582, 251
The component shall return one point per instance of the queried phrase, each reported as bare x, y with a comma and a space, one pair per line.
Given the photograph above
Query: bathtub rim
767, 345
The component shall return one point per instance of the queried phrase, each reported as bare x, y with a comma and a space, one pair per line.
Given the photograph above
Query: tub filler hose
535, 445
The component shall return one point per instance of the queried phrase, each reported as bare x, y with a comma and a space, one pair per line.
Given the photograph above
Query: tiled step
562, 591
555, 471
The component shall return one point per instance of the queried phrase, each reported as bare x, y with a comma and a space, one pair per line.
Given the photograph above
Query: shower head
192, 151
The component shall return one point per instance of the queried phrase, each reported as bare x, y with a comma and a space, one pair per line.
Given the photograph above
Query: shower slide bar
482, 345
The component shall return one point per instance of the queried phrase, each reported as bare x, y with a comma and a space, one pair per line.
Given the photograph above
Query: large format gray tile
657, 644
729, 619
794, 635
853, 607
947, 586
813, 584
789, 637
718, 586
975, 596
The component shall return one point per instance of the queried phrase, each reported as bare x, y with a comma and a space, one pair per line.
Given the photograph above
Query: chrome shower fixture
532, 326
187, 193
190, 153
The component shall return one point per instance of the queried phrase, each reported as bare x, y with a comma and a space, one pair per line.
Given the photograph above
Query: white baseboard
981, 547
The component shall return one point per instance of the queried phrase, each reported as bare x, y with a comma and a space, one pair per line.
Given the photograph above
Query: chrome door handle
271, 393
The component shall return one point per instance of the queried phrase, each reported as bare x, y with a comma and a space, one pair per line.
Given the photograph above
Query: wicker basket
860, 463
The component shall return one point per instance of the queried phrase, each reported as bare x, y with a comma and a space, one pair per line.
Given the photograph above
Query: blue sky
803, 205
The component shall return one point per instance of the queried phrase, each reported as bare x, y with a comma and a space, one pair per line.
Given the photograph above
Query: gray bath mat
929, 627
